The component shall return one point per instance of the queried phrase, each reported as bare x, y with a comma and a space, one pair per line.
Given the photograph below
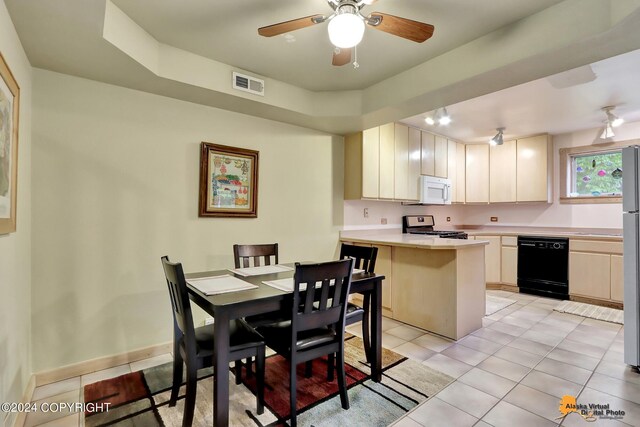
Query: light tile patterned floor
515, 370
512, 372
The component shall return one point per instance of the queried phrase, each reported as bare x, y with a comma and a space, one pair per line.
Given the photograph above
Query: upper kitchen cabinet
387, 161
461, 184
441, 157
434, 155
382, 163
477, 173
502, 172
534, 167
427, 154
452, 169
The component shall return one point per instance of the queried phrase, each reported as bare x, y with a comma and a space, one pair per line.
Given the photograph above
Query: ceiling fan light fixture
445, 118
498, 139
612, 119
346, 29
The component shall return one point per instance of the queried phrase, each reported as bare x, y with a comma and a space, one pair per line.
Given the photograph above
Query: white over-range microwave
435, 191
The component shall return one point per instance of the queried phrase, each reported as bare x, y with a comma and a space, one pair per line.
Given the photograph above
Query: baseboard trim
26, 398
98, 364
503, 287
596, 301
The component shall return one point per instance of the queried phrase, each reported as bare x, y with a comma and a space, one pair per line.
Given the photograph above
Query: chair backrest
182, 317
243, 253
327, 284
364, 256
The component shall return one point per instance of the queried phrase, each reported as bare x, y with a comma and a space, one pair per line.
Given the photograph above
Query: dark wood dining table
263, 299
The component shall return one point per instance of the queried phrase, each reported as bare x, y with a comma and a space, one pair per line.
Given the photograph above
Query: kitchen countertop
394, 237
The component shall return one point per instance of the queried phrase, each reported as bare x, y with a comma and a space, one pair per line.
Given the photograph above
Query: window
598, 174
593, 173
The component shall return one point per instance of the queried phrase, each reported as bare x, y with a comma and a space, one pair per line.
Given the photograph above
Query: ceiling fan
347, 24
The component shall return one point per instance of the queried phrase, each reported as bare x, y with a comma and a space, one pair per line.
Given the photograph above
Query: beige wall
116, 187
15, 248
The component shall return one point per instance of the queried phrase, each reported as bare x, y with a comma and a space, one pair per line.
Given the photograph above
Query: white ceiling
522, 40
562, 103
226, 30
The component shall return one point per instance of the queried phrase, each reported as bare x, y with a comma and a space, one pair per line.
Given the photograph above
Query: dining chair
242, 254
365, 259
194, 346
317, 321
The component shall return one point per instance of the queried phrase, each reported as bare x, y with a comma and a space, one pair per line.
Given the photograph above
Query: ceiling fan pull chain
355, 58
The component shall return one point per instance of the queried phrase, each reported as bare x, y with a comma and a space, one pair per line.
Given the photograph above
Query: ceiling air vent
248, 84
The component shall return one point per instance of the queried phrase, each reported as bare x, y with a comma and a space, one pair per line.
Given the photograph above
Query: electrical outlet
494, 219
208, 321
383, 221
366, 212
448, 219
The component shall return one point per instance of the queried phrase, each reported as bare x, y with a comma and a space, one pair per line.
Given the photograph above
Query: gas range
423, 224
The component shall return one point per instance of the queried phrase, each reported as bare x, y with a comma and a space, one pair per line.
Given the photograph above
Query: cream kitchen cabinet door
461, 184
534, 166
414, 165
509, 265
502, 172
452, 169
371, 163
441, 155
427, 156
401, 156
477, 173
492, 255
590, 274
617, 278
387, 161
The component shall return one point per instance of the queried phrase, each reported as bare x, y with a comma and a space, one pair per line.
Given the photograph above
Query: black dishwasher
543, 266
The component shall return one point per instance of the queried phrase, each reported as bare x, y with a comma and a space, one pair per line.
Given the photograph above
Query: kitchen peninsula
431, 283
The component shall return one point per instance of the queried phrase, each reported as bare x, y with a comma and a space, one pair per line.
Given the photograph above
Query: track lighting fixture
612, 121
444, 119
497, 140
429, 120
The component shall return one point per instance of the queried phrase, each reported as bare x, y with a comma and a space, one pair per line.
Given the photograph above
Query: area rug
141, 398
592, 311
495, 304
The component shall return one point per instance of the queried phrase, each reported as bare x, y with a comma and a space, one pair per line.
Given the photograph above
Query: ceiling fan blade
288, 26
343, 57
401, 27
368, 2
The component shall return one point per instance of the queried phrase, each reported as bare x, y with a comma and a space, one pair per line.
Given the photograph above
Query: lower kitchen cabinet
492, 258
617, 278
509, 262
595, 269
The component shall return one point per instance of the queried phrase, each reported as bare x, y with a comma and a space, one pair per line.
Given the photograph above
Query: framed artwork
228, 181
9, 111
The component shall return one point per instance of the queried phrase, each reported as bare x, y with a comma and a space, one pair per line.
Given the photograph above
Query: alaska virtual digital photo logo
590, 412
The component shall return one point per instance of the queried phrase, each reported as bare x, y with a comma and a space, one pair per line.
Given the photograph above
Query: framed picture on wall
9, 111
228, 181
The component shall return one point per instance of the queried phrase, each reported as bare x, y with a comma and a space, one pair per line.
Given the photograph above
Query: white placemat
283, 284
220, 284
264, 269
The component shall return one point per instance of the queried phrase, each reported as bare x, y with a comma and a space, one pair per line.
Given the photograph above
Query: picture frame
228, 181
9, 123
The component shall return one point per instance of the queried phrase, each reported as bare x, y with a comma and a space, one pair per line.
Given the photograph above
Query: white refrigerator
631, 229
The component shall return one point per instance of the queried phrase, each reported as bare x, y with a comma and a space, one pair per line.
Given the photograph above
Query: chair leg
249, 367
260, 379
366, 330
177, 377
342, 380
331, 364
238, 371
308, 369
190, 399
292, 393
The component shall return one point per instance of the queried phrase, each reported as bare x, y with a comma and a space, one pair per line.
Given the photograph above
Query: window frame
566, 156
